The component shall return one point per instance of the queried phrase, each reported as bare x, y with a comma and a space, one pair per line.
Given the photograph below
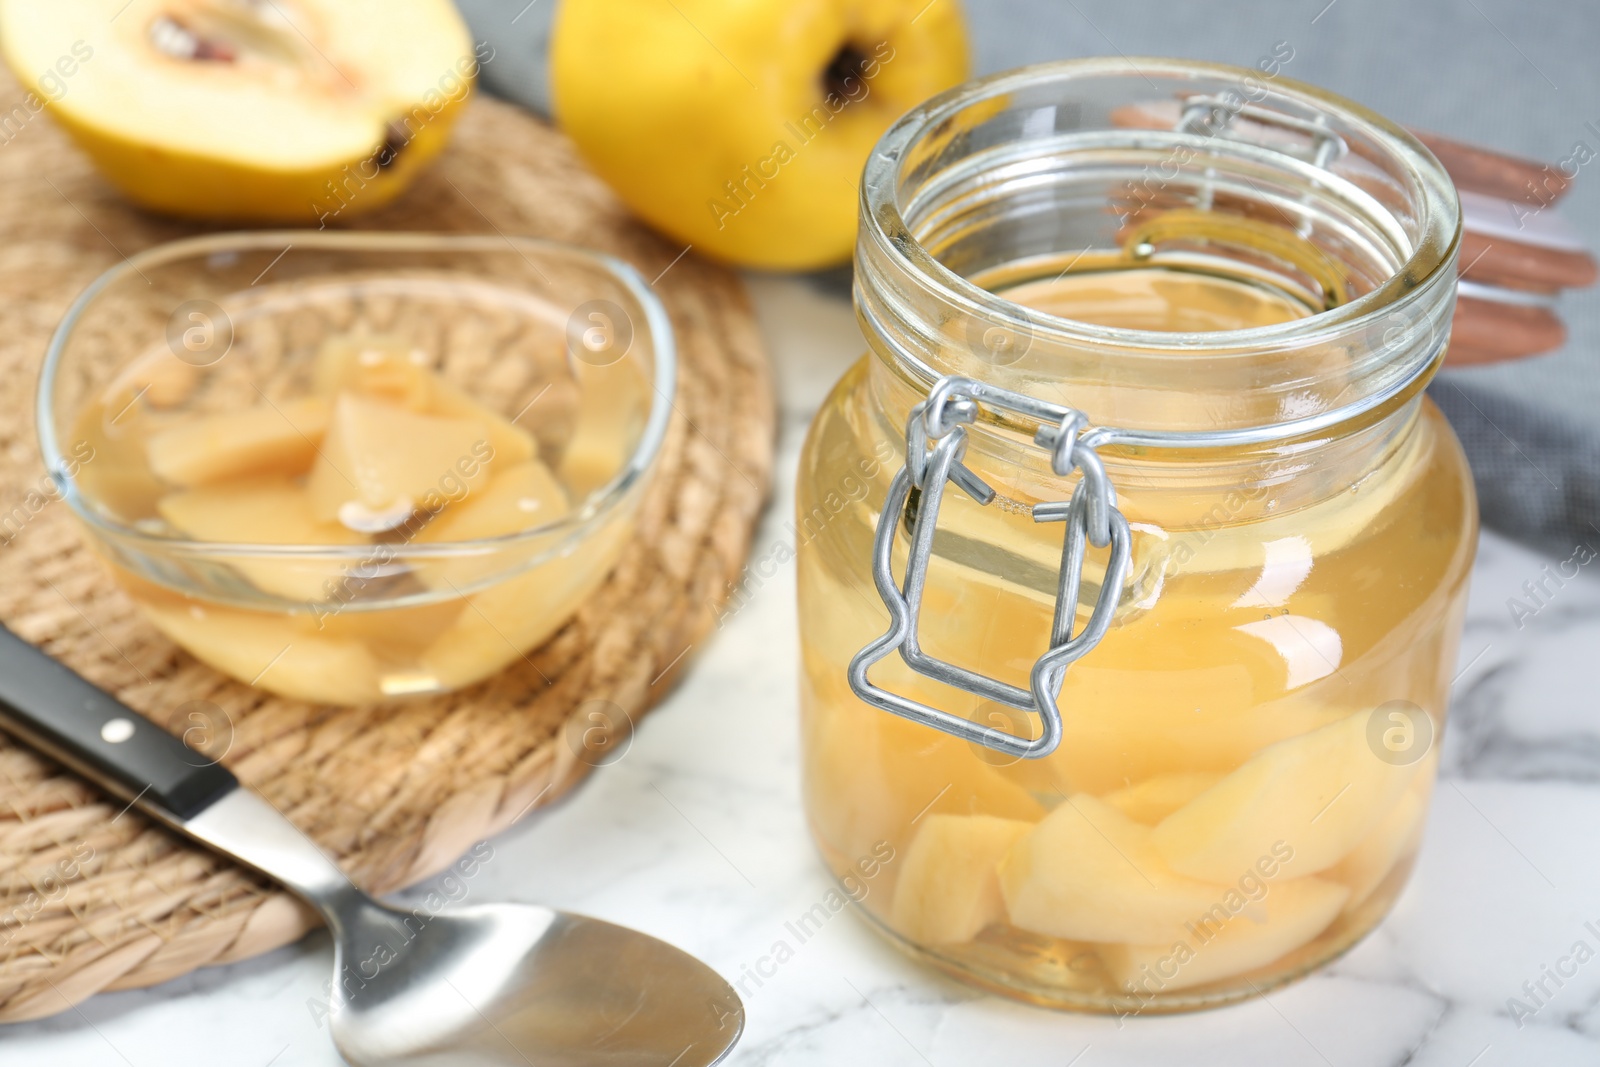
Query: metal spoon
482, 986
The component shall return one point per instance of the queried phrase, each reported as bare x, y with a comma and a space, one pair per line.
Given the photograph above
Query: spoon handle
48, 706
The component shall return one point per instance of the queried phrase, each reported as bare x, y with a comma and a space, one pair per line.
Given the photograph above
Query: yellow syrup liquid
1246, 757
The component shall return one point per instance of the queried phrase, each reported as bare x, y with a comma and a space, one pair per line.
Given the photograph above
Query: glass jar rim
883, 219
560, 532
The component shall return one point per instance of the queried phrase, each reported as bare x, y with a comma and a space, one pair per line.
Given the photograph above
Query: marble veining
695, 834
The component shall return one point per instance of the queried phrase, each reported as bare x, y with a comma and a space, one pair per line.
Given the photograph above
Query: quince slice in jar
380, 463
1174, 693
948, 891
262, 512
1090, 873
386, 368
279, 438
1320, 794
871, 776
516, 499
1155, 798
1370, 862
1227, 941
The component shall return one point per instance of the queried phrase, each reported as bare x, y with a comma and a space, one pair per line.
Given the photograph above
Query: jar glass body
1247, 755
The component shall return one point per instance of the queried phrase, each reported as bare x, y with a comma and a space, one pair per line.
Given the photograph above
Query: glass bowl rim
597, 505
1432, 255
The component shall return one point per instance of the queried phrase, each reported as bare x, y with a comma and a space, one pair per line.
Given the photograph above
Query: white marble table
696, 835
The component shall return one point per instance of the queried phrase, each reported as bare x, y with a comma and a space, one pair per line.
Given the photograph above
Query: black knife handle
50, 707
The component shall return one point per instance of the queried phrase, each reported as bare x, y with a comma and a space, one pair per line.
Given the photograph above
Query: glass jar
1150, 344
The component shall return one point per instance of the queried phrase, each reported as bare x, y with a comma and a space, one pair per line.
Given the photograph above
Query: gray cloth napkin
1534, 454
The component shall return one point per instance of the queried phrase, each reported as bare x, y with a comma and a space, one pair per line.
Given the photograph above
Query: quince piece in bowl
267, 439
389, 369
293, 111
380, 463
270, 651
265, 512
518, 498
521, 612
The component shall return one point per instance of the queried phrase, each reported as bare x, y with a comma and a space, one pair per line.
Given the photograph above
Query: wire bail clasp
936, 443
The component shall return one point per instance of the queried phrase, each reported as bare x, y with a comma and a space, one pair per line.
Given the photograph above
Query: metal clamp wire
1089, 516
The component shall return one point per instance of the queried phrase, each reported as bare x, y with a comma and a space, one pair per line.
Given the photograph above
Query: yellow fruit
1286, 917
269, 512
388, 369
1090, 873
272, 652
947, 890
1320, 794
1155, 798
741, 128
276, 112
380, 462
267, 439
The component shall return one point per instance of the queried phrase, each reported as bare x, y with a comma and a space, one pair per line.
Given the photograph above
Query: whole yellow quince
741, 126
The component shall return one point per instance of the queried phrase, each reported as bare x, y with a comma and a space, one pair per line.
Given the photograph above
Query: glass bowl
192, 378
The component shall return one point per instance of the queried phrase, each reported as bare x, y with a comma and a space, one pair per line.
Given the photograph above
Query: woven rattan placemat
93, 897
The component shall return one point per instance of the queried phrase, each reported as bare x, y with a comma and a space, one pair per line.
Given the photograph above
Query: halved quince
1318, 794
380, 462
280, 111
1286, 917
266, 439
1090, 873
947, 890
